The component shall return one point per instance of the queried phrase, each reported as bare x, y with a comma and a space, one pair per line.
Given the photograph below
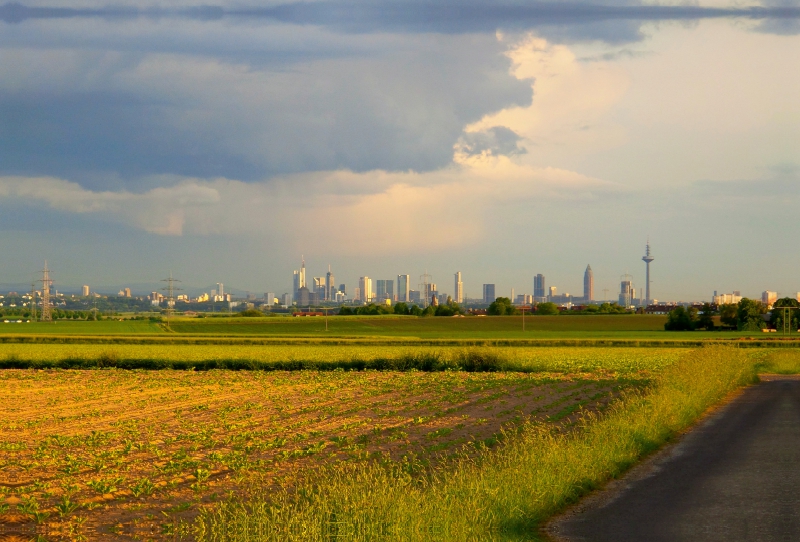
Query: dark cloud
442, 16
498, 140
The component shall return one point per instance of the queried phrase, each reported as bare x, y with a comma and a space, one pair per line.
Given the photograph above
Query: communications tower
647, 258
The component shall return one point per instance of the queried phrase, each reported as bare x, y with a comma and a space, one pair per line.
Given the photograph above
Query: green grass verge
507, 492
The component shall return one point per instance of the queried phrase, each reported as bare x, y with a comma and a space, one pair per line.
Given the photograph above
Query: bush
545, 309
680, 319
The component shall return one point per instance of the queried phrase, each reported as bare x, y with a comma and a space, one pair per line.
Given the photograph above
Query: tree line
747, 315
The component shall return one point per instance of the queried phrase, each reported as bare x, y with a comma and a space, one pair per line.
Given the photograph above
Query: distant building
85, 291
303, 297
430, 290
626, 293
269, 297
488, 293
365, 286
384, 289
588, 285
286, 299
298, 279
726, 299
769, 298
413, 296
330, 289
538, 288
551, 293
318, 286
403, 288
458, 297
357, 294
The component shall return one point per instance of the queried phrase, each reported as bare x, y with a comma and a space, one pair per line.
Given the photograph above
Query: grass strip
504, 493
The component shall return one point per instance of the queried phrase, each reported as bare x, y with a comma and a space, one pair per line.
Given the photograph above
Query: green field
565, 327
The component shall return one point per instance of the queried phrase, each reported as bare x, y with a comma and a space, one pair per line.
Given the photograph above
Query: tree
345, 311
547, 309
401, 308
706, 319
750, 315
727, 314
777, 315
681, 319
415, 310
501, 307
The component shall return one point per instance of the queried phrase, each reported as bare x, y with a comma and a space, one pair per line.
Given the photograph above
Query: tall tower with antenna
647, 258
47, 315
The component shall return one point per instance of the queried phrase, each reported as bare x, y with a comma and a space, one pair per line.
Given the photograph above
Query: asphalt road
736, 477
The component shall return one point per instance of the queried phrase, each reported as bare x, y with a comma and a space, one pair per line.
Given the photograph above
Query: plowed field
113, 454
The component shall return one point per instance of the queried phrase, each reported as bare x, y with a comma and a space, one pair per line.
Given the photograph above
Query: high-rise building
414, 297
458, 297
298, 279
330, 289
488, 293
318, 286
365, 286
303, 297
85, 291
403, 288
127, 292
588, 285
552, 292
538, 288
269, 298
626, 293
384, 289
286, 300
769, 298
220, 288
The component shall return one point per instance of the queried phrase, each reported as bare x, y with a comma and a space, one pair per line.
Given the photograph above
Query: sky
224, 142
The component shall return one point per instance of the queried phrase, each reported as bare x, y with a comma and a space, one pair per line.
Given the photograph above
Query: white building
365, 286
458, 297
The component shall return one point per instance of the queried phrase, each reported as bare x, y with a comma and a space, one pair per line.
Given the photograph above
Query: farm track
181, 440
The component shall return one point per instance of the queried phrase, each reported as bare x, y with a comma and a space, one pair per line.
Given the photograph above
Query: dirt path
735, 477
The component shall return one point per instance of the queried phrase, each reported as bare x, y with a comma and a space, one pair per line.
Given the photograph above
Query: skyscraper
365, 288
302, 273
298, 279
385, 289
85, 291
403, 288
330, 289
459, 289
588, 285
539, 294
626, 291
488, 293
